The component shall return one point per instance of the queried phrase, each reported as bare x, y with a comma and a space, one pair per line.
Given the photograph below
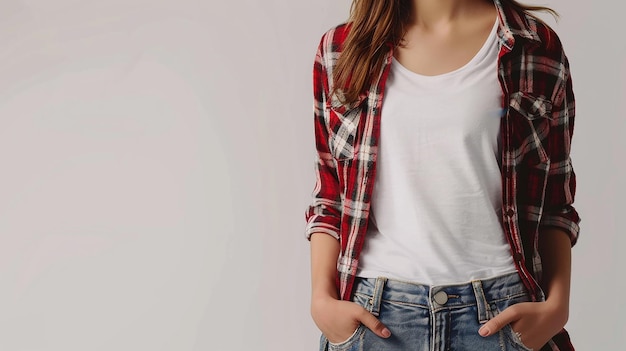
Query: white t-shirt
437, 195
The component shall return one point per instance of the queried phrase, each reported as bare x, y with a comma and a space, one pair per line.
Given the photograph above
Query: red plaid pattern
534, 146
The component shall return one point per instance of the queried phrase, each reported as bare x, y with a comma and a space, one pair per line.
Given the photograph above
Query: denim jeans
434, 318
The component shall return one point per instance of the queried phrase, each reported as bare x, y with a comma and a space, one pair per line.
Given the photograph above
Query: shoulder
545, 60
332, 40
549, 42
540, 48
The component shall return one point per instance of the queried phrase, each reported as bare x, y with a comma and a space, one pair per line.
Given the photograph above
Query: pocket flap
531, 106
343, 129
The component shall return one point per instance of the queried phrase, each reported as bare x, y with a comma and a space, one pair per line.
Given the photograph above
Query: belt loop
484, 310
378, 294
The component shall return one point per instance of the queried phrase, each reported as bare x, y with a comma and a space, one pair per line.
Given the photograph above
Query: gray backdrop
157, 158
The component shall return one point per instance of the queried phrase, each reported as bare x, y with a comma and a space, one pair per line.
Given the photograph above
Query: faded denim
434, 318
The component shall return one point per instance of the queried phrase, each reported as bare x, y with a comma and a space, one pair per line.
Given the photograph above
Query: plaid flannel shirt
538, 182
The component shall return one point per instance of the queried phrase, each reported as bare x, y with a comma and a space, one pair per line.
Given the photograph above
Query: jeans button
441, 297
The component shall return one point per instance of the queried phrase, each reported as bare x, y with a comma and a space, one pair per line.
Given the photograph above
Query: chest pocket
531, 117
343, 125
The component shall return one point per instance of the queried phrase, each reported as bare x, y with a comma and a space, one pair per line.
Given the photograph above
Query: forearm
324, 253
538, 322
555, 251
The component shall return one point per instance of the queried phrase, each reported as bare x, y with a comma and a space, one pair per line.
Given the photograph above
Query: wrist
320, 304
557, 298
324, 287
324, 295
558, 308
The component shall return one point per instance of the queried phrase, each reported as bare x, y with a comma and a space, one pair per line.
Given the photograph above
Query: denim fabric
434, 318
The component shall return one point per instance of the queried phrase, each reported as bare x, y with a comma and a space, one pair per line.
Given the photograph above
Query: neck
431, 13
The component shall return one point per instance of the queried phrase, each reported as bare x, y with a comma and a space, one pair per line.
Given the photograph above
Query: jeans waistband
477, 292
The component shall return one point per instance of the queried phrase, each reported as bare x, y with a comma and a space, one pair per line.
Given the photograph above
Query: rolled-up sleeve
323, 215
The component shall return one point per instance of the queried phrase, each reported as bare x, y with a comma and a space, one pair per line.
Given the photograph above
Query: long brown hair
375, 23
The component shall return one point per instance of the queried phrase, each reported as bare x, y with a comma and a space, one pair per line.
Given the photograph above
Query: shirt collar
513, 24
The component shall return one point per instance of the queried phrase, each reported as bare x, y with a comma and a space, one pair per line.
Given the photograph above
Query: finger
498, 322
374, 324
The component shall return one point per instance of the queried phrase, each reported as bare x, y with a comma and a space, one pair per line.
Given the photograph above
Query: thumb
498, 322
374, 324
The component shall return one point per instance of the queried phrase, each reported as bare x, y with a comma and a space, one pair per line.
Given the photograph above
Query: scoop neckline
479, 54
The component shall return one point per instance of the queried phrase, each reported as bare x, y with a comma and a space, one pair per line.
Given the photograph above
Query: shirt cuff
320, 224
567, 222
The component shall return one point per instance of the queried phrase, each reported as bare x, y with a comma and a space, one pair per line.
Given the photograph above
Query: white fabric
437, 194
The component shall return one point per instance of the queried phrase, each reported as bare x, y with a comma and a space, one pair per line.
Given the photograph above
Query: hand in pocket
339, 319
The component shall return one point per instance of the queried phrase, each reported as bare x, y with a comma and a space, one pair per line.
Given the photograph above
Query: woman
442, 215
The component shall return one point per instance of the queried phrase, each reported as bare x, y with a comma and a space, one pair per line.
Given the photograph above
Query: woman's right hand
338, 319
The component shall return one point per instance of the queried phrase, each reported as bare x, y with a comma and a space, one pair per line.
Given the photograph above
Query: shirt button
518, 256
441, 297
510, 212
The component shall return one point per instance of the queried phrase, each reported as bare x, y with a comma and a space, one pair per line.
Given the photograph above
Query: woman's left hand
534, 322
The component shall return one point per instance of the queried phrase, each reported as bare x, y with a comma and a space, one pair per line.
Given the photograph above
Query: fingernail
386, 333
483, 331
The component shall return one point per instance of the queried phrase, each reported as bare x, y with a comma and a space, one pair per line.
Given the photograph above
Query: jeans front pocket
514, 338
507, 332
353, 341
348, 343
